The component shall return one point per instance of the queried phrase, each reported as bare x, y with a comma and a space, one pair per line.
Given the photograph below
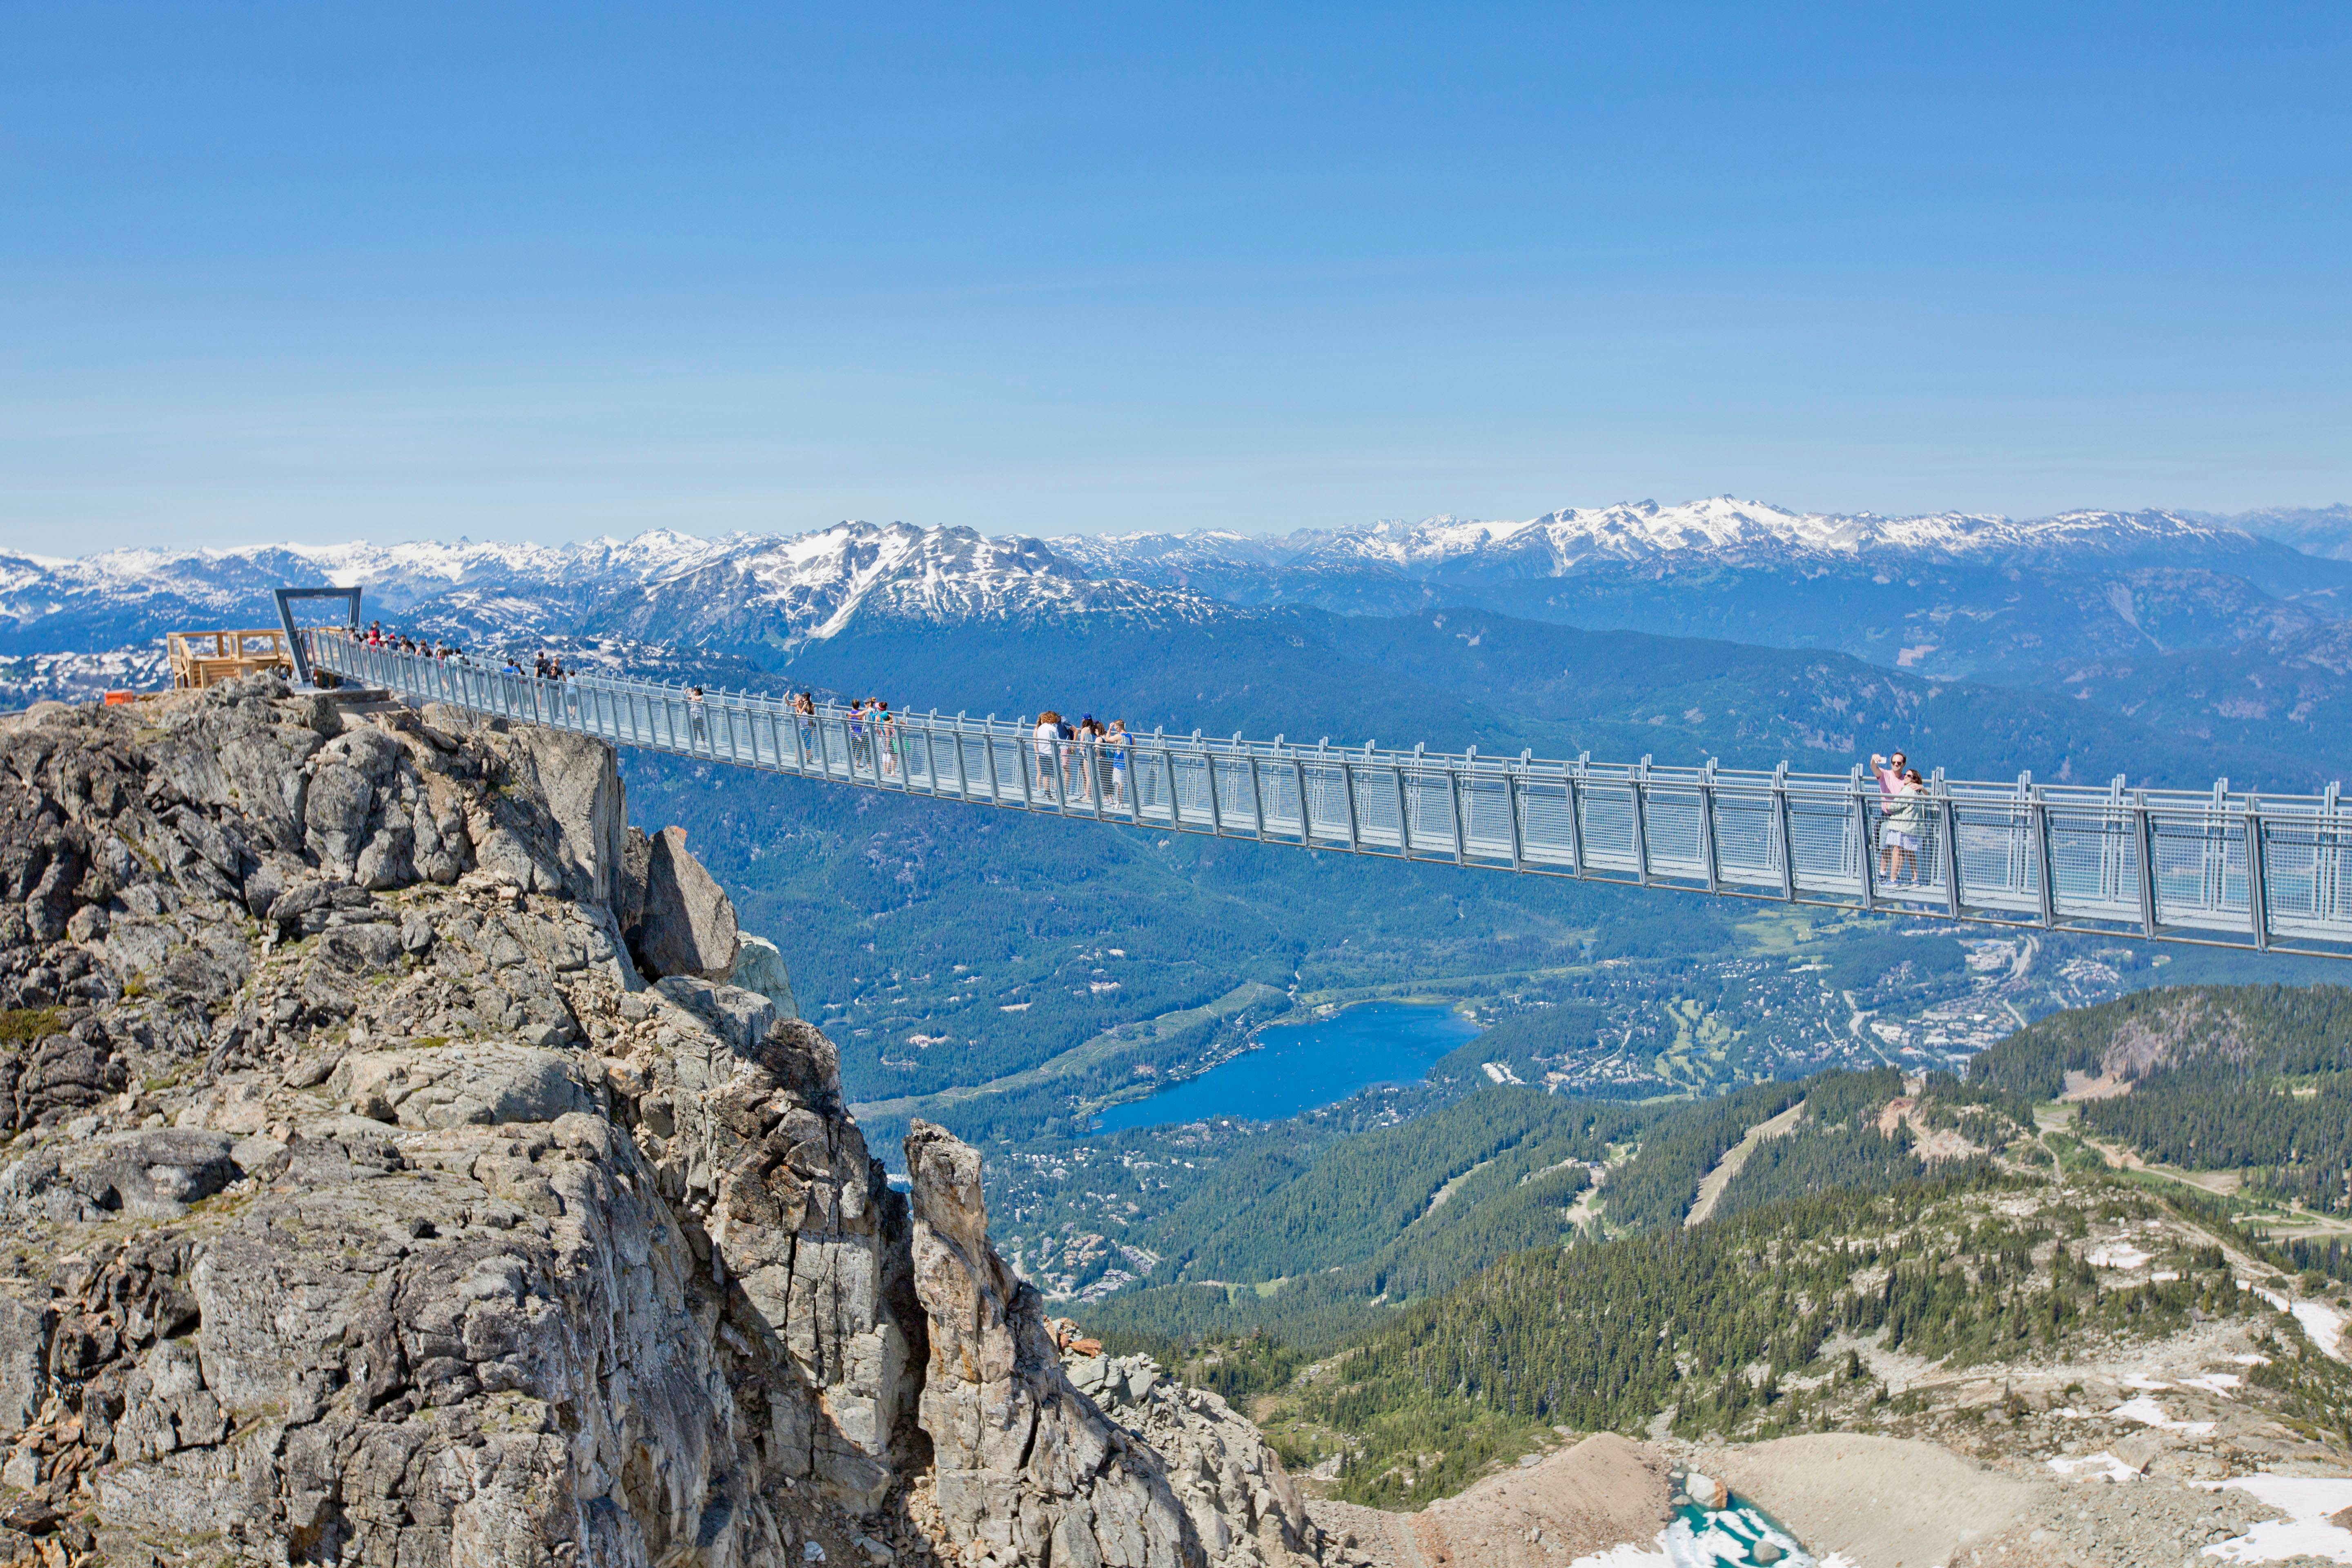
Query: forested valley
2256, 1079
1573, 1275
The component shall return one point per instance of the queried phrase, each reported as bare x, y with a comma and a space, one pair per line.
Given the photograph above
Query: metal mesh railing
2168, 865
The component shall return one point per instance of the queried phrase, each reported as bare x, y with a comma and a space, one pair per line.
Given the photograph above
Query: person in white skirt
1902, 822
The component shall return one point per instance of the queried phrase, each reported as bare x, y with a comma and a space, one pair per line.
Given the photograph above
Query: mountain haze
2314, 529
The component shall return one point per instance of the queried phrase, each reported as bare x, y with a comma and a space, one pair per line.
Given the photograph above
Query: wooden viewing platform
201, 659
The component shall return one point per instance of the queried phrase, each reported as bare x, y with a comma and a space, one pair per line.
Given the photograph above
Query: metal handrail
2215, 867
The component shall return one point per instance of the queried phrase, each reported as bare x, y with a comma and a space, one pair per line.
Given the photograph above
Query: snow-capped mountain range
1955, 592
1720, 527
234, 582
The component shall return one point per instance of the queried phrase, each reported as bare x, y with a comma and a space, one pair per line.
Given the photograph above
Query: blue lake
1298, 1067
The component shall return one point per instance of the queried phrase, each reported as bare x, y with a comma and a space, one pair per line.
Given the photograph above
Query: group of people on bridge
376, 637
1076, 764
1082, 763
545, 666
875, 742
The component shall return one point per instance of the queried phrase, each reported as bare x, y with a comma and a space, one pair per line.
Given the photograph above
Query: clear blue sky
321, 271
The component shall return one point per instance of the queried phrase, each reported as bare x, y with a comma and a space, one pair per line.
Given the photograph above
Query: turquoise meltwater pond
1738, 1535
1734, 1536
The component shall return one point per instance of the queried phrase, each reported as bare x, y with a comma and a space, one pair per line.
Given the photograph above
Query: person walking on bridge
1048, 739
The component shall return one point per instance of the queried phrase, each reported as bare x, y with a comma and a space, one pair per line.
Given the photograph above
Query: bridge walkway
2222, 867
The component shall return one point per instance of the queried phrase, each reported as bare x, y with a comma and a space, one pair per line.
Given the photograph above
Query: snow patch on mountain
822, 580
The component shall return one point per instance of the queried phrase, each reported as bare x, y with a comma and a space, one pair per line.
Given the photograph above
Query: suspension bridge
2220, 868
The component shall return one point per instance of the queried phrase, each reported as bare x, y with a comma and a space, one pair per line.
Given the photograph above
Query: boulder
2140, 1450
685, 922
742, 1019
586, 805
760, 966
156, 1174
258, 1156
483, 1084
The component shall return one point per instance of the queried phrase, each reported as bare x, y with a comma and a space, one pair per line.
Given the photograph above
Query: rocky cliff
368, 1198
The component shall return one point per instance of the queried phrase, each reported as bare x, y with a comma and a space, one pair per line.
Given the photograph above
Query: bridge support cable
2265, 873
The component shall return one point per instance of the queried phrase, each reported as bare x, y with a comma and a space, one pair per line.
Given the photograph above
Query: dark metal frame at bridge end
285, 600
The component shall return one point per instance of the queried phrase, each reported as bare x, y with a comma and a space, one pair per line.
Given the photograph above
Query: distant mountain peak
795, 590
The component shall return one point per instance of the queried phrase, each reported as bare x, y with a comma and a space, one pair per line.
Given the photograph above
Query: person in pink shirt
1890, 773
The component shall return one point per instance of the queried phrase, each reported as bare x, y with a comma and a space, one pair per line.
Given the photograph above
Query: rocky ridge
398, 1174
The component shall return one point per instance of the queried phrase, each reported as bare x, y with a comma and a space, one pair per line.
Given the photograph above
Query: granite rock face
365, 1204
678, 919
1027, 1470
1096, 1462
760, 966
1242, 1503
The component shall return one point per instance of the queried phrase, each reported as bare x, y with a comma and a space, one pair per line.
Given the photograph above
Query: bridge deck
2224, 868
